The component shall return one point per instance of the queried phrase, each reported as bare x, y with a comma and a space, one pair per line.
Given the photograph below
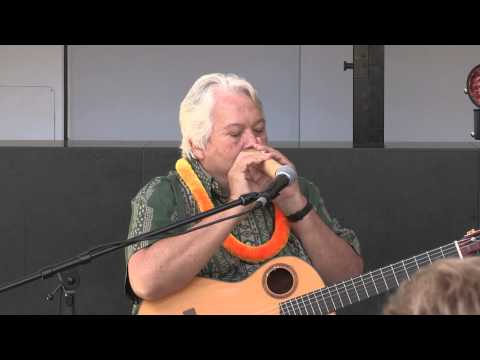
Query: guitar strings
359, 282
390, 271
369, 279
406, 265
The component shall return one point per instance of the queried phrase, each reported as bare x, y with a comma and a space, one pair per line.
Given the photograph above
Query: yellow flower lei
237, 248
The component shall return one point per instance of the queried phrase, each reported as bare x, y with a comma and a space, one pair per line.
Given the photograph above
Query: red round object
473, 85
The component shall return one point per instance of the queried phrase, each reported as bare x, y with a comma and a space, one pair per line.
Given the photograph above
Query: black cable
211, 223
182, 233
128, 242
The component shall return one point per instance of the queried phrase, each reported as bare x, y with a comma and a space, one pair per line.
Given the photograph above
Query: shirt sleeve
152, 208
312, 193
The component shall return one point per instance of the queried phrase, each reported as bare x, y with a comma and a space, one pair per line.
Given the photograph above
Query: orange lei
244, 251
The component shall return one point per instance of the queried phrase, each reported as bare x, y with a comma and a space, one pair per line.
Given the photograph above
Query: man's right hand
246, 174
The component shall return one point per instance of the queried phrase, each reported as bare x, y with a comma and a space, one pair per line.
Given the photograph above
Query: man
220, 118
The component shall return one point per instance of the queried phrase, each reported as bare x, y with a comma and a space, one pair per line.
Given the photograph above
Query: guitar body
261, 293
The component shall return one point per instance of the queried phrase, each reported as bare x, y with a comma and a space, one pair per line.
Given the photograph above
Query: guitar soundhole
280, 281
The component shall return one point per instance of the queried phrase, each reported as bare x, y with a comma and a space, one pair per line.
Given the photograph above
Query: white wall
31, 92
326, 94
133, 92
424, 99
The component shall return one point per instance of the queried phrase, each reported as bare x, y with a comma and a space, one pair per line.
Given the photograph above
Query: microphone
284, 175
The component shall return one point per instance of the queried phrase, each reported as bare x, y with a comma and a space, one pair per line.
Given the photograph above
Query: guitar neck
331, 298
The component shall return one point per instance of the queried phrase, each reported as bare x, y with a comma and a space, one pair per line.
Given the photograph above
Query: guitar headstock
472, 232
470, 244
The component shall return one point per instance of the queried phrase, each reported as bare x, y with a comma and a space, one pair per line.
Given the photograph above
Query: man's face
237, 125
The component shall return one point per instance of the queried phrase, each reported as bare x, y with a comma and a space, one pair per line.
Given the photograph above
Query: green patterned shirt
166, 199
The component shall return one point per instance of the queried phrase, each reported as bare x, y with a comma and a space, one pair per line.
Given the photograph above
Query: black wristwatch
299, 215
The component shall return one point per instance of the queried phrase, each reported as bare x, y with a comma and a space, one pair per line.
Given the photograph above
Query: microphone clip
248, 198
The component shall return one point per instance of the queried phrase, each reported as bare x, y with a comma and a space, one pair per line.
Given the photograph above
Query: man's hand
246, 173
290, 199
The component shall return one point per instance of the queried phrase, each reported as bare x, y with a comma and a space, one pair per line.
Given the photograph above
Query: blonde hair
195, 118
446, 287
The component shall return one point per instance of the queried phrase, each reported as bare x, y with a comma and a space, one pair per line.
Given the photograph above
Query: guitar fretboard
329, 299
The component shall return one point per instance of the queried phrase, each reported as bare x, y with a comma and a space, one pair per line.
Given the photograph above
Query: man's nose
250, 139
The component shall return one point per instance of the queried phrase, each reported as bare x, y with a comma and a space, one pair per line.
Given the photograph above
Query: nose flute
270, 166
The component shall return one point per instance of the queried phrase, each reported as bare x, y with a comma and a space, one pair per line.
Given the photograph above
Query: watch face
473, 85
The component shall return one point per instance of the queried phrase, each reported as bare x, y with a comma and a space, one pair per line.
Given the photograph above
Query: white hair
195, 118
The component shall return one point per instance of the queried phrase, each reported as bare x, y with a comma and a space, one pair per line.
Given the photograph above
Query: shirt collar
209, 182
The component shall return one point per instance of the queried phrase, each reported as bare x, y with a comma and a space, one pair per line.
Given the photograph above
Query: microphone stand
70, 280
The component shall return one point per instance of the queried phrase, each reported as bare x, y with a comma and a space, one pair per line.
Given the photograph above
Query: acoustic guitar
290, 286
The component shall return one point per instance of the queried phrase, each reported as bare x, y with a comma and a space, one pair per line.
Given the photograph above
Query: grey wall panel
58, 202
77, 199
424, 99
12, 229
158, 162
134, 92
326, 94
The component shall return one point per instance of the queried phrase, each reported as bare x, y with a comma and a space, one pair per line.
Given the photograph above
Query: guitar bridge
190, 312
